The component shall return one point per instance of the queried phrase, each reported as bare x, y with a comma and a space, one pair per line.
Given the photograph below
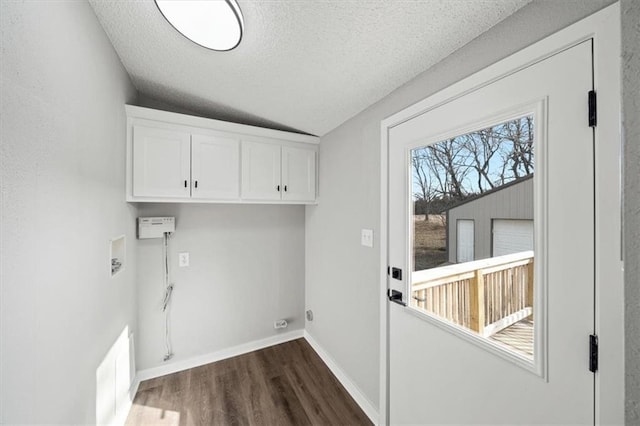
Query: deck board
518, 337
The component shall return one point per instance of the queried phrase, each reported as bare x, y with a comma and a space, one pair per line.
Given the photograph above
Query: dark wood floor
286, 384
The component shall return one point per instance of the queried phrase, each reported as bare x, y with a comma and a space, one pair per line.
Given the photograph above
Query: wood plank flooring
286, 384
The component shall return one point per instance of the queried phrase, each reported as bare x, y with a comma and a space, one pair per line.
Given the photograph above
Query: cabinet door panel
161, 163
260, 171
215, 167
298, 174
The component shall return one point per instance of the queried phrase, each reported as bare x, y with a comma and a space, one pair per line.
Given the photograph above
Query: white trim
610, 326
538, 365
383, 404
197, 361
482, 342
122, 418
216, 201
219, 125
604, 28
353, 389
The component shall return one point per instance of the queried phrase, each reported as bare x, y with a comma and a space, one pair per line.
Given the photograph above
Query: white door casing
434, 369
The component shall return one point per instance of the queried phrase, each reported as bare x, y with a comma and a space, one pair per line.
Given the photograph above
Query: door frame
604, 28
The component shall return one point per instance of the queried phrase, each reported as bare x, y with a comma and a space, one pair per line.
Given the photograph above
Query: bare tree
421, 175
520, 158
483, 145
451, 157
455, 168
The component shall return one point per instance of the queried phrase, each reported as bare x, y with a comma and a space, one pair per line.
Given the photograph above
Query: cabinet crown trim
134, 112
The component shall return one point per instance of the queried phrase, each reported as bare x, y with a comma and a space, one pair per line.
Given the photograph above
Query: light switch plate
183, 259
366, 237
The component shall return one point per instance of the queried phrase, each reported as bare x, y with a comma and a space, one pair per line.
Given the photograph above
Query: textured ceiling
302, 65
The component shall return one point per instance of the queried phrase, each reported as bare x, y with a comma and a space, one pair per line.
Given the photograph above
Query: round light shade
214, 24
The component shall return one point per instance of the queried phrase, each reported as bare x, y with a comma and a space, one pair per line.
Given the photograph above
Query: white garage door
512, 236
465, 240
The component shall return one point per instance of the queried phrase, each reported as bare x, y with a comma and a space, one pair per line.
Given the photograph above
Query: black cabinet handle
285, 188
196, 184
185, 183
278, 188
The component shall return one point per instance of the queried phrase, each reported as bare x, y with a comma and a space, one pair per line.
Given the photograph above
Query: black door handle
395, 296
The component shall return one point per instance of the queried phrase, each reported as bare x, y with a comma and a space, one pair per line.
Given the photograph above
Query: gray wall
342, 276
513, 202
631, 127
246, 271
62, 169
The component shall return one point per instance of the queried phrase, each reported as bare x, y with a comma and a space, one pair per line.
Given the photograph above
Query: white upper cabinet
298, 174
215, 168
184, 159
276, 172
260, 171
161, 163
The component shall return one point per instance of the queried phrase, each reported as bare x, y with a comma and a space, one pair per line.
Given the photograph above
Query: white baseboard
355, 392
197, 361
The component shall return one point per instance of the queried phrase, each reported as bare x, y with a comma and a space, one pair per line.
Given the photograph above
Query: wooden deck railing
484, 295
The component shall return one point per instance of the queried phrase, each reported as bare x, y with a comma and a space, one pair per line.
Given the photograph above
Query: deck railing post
476, 301
530, 287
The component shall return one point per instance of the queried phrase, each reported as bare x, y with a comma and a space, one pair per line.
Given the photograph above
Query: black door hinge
593, 353
395, 296
593, 109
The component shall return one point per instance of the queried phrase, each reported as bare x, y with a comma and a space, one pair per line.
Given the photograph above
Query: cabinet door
298, 174
260, 171
161, 163
215, 167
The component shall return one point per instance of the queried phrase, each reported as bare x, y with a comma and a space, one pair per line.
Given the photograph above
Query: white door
260, 171
512, 236
298, 174
465, 240
441, 372
215, 168
161, 163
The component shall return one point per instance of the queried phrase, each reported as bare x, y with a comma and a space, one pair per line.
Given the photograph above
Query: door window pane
473, 232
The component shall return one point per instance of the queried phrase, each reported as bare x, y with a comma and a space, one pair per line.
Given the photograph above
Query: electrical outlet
366, 237
282, 323
183, 259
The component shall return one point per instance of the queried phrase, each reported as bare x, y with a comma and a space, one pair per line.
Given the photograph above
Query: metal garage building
497, 222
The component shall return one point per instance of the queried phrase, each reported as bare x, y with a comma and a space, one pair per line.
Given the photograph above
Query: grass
430, 242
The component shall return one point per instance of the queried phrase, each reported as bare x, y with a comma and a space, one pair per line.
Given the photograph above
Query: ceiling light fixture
214, 24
